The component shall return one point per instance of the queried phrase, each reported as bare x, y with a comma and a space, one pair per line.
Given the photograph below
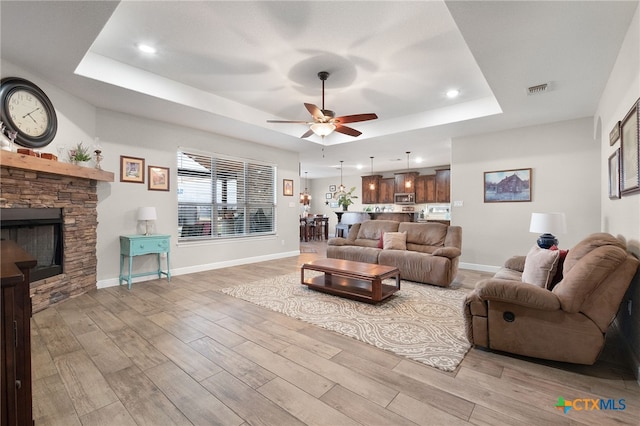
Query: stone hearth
77, 197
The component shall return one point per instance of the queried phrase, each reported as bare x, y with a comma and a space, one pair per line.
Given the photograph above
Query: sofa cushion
394, 241
428, 234
371, 229
540, 266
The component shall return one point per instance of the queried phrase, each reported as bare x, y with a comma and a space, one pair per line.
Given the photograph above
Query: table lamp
548, 224
147, 214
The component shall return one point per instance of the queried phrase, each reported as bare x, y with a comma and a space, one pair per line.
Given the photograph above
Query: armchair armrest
517, 293
515, 263
450, 252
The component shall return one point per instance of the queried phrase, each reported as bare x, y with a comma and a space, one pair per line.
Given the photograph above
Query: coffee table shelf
353, 280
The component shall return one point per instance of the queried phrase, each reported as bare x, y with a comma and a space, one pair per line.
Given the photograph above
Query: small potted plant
345, 199
80, 155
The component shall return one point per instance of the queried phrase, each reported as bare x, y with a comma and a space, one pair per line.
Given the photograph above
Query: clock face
26, 110
28, 113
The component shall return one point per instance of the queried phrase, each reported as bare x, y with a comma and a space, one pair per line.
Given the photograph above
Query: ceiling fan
324, 120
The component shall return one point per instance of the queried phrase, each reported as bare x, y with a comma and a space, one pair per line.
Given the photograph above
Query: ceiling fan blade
287, 121
347, 131
307, 134
355, 118
315, 111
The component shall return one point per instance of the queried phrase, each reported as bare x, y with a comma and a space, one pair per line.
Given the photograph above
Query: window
224, 197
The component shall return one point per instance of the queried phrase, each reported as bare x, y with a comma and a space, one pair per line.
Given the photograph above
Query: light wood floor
183, 353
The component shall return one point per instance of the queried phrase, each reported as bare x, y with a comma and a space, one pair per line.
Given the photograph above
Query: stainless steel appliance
405, 198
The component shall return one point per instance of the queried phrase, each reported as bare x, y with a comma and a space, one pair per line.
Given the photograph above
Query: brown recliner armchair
567, 323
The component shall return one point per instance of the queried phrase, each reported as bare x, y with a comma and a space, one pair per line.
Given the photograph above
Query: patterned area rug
421, 322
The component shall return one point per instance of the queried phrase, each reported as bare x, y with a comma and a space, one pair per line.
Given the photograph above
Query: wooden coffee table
353, 280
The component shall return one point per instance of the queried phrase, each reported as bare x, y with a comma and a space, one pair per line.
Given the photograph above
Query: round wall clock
26, 110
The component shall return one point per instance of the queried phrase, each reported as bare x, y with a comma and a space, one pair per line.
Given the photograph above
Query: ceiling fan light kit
323, 129
325, 122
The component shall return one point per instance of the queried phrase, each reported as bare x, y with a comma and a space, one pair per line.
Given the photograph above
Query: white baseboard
477, 267
112, 282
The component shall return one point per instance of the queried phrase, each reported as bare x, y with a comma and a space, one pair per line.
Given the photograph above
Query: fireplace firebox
40, 233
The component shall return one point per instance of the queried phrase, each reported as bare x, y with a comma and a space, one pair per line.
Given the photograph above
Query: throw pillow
558, 276
394, 241
540, 266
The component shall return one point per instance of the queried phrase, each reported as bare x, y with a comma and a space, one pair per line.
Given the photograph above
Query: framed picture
614, 175
332, 188
287, 187
158, 178
333, 204
507, 186
328, 195
630, 152
614, 134
131, 169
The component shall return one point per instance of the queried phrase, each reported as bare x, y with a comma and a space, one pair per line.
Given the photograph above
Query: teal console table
138, 245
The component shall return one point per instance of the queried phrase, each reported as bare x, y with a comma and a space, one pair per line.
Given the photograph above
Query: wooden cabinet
443, 186
405, 182
425, 189
370, 196
387, 189
16, 335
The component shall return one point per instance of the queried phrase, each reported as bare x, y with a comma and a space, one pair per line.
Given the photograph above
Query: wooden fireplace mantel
28, 162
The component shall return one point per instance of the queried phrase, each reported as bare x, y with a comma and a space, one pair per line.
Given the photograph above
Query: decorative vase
345, 207
83, 163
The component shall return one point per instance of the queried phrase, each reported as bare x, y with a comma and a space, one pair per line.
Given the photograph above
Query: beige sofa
566, 322
430, 254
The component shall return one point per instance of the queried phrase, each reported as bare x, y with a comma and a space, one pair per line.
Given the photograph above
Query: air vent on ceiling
536, 90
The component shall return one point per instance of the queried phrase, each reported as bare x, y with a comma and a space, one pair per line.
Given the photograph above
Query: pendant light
372, 185
341, 187
305, 197
407, 182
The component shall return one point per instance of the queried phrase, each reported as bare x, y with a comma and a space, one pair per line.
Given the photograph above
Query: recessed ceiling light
146, 48
359, 166
418, 160
453, 93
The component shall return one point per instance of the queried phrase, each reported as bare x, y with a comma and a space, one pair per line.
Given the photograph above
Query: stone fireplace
63, 186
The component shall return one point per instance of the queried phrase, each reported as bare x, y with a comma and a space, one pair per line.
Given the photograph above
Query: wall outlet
458, 203
629, 306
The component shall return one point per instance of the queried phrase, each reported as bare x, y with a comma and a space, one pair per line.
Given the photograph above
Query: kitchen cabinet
387, 189
370, 196
405, 182
425, 189
443, 186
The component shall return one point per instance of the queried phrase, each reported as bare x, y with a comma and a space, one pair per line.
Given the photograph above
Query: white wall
565, 163
621, 217
157, 142
76, 118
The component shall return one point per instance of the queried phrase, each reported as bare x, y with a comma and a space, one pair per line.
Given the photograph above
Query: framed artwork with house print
507, 186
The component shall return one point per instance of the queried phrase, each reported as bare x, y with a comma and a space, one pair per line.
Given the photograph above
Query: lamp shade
147, 213
548, 223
